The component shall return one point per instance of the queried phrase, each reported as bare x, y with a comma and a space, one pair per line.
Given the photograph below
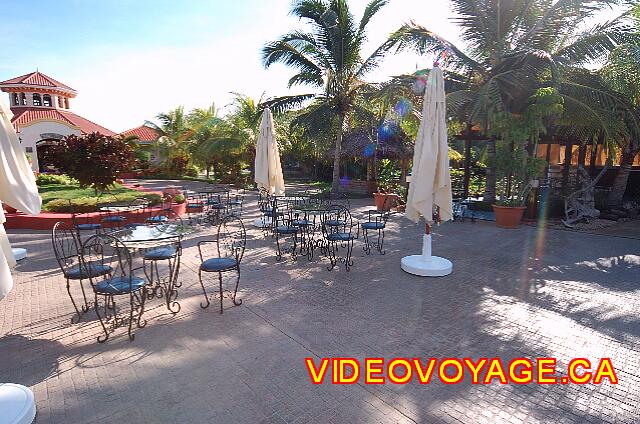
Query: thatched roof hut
361, 144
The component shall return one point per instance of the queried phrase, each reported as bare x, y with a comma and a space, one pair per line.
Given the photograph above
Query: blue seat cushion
86, 227
339, 237
194, 205
334, 222
212, 202
91, 270
235, 202
120, 285
218, 264
160, 253
133, 225
217, 206
159, 218
284, 229
373, 225
114, 219
301, 223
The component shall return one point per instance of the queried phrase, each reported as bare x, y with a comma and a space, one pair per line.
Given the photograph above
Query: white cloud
121, 86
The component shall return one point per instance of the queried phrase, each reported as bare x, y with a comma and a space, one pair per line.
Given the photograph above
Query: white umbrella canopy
17, 188
267, 165
430, 177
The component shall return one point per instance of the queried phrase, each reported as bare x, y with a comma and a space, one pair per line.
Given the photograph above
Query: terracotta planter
385, 201
508, 216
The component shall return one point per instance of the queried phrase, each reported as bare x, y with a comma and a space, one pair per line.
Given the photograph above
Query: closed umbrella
430, 178
17, 188
268, 169
267, 165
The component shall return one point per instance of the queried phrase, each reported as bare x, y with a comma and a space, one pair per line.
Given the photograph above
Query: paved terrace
513, 293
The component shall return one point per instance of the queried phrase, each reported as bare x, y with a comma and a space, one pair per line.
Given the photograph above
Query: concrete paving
513, 293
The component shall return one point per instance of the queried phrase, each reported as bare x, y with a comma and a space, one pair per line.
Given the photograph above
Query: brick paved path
513, 293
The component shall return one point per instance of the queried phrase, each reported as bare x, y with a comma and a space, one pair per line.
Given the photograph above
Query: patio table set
140, 260
320, 222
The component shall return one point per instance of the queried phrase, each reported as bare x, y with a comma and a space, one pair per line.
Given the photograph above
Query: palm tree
174, 132
517, 46
328, 58
622, 73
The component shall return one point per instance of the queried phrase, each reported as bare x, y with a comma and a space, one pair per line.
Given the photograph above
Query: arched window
46, 100
15, 99
60, 100
23, 97
66, 103
37, 101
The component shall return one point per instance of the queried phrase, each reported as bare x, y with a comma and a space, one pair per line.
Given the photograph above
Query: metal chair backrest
66, 246
138, 208
336, 219
264, 200
104, 249
232, 238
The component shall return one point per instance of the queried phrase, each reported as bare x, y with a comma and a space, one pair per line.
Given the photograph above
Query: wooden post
467, 165
568, 150
582, 154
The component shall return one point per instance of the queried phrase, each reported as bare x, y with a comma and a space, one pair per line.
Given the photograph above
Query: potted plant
517, 168
386, 197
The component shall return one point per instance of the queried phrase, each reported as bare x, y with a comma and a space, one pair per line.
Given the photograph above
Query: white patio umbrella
17, 188
430, 178
267, 165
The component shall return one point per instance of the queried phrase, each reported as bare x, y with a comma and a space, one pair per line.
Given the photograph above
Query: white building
40, 106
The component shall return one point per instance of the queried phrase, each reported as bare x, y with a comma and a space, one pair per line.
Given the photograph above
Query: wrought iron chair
195, 208
66, 247
216, 205
235, 202
337, 232
164, 216
138, 212
230, 246
106, 250
109, 206
282, 225
83, 221
159, 285
376, 221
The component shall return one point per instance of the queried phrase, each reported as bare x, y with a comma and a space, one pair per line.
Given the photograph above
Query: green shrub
49, 179
179, 199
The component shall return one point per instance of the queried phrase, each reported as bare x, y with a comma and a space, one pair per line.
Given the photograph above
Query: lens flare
369, 150
403, 107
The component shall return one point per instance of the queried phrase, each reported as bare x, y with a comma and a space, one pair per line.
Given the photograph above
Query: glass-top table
146, 236
120, 208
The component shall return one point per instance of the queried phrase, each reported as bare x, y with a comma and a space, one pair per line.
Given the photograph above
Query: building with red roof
146, 140
42, 115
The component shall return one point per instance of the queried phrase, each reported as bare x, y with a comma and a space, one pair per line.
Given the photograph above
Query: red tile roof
39, 79
23, 116
143, 132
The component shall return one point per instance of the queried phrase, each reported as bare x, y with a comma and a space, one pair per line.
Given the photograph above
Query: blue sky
131, 59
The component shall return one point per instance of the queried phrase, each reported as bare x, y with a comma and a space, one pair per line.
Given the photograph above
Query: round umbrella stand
17, 404
426, 265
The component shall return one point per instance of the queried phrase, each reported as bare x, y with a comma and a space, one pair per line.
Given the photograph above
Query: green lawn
55, 197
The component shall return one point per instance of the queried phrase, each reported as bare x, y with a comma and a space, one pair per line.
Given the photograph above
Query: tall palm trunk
622, 177
335, 184
490, 173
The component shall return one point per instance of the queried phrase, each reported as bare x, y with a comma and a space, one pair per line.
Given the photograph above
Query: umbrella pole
427, 230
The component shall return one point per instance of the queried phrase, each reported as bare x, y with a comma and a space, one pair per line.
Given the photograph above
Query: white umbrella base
426, 265
17, 404
263, 222
434, 267
19, 253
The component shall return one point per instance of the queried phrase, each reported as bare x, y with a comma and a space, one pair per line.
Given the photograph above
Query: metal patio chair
230, 245
67, 248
